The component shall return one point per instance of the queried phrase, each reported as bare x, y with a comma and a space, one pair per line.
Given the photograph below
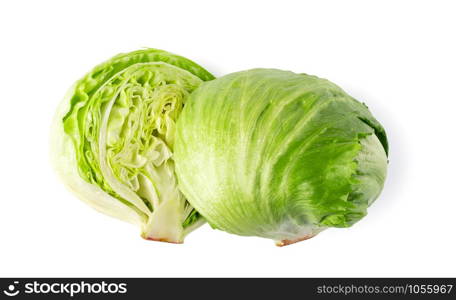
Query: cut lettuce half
113, 140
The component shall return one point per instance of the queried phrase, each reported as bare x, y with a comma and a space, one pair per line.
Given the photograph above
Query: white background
397, 56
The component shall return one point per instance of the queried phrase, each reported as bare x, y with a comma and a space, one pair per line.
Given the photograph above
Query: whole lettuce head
113, 140
278, 155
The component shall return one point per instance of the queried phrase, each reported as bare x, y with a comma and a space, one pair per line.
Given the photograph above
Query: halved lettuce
113, 140
278, 155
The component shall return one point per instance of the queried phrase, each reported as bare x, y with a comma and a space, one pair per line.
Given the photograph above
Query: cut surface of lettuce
279, 155
113, 140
